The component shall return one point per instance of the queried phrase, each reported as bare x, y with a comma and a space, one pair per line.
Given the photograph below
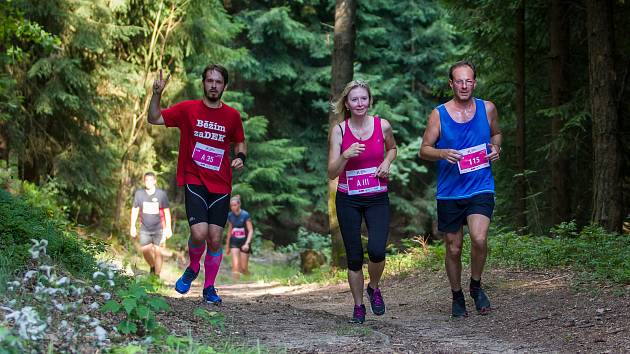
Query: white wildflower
95, 322
13, 285
63, 281
94, 306
74, 291
100, 333
63, 324
84, 318
110, 274
30, 326
28, 275
47, 269
107, 296
97, 288
59, 306
97, 274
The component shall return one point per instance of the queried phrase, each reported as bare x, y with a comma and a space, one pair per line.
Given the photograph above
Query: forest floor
532, 312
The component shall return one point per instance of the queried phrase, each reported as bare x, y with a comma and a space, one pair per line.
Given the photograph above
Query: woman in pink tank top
361, 151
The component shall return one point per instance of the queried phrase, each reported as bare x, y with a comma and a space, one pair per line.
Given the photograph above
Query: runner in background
239, 237
361, 151
151, 204
208, 127
463, 136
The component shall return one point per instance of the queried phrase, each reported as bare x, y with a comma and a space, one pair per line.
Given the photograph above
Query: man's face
213, 86
149, 182
463, 83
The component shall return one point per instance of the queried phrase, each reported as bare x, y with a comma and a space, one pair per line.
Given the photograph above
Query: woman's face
358, 101
235, 206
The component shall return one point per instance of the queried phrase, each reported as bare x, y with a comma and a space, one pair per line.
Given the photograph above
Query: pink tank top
357, 177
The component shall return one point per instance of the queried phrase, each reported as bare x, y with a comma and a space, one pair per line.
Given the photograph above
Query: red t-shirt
205, 135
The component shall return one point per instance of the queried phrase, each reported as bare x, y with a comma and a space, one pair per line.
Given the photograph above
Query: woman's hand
354, 150
383, 170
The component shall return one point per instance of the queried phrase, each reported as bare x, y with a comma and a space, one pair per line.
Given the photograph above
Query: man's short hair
221, 69
149, 174
460, 64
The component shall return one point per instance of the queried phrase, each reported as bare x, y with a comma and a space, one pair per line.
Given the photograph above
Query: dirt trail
533, 312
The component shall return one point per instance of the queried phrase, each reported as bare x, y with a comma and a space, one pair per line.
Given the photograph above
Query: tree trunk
607, 196
559, 45
342, 72
519, 61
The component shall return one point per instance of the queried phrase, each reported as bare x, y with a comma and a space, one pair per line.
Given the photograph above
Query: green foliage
23, 219
212, 318
592, 251
9, 344
188, 345
138, 309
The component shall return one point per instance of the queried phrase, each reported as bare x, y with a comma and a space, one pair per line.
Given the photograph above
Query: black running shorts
452, 213
203, 206
238, 242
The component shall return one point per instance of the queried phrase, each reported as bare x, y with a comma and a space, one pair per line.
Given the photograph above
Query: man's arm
239, 148
168, 231
134, 219
496, 138
430, 137
154, 116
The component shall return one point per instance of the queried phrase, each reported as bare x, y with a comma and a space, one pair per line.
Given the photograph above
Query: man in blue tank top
463, 136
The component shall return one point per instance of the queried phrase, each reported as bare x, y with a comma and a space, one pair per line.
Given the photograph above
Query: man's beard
213, 99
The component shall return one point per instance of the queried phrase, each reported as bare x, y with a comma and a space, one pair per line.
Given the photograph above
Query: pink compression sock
195, 251
211, 265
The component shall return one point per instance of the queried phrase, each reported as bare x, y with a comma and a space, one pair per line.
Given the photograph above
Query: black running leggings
351, 210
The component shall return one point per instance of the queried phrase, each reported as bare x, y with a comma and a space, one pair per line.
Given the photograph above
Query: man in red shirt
207, 128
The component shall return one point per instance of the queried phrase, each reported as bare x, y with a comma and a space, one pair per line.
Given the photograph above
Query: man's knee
454, 249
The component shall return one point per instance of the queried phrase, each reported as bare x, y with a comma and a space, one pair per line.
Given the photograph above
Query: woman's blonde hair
339, 106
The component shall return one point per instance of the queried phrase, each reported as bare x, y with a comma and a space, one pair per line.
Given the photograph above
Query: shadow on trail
533, 312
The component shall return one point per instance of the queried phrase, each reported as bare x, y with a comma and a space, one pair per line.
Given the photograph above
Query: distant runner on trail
207, 129
361, 150
151, 204
239, 237
463, 136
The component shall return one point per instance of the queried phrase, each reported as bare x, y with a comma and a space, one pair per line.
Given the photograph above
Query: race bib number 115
473, 159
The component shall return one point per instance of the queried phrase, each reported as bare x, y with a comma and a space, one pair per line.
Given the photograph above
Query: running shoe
482, 304
210, 295
376, 301
458, 309
152, 270
358, 315
185, 281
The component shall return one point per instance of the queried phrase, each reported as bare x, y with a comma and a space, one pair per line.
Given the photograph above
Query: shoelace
189, 274
378, 298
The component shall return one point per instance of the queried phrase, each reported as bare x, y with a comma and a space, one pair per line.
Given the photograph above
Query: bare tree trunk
134, 127
607, 196
519, 61
559, 45
342, 72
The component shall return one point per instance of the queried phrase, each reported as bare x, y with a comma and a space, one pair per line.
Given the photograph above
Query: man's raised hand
160, 83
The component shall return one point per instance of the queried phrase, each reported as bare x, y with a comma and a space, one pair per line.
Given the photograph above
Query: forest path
533, 312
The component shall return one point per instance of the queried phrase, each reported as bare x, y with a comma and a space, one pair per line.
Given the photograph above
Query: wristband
241, 156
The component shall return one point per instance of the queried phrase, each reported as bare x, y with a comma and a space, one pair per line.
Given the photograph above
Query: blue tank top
451, 184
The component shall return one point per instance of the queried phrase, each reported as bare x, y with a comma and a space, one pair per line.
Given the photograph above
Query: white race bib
207, 156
